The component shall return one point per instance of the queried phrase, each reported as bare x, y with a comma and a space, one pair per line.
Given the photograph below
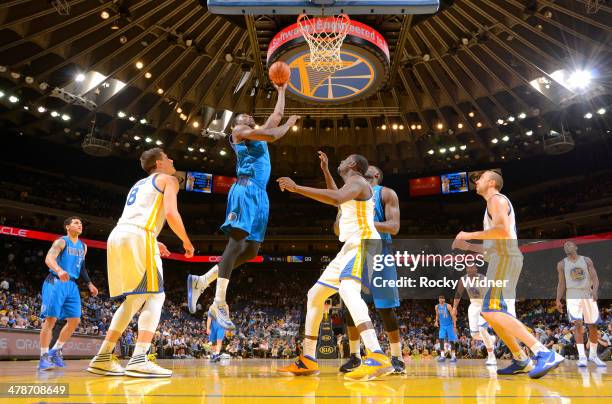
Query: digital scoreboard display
198, 182
454, 182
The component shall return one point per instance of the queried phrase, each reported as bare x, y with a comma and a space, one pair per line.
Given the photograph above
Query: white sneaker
106, 365
582, 362
221, 313
145, 366
597, 361
193, 292
491, 361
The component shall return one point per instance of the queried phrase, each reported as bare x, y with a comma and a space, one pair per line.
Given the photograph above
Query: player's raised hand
292, 120
280, 88
163, 250
63, 275
189, 250
559, 306
324, 160
286, 183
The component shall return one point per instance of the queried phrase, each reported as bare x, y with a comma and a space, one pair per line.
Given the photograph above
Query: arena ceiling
473, 84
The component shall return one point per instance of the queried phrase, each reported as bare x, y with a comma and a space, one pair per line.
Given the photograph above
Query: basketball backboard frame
320, 7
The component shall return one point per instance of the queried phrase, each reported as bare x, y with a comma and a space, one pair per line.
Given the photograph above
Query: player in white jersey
344, 273
135, 267
478, 325
578, 279
500, 249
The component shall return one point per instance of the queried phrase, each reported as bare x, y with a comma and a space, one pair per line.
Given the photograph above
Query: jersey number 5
132, 196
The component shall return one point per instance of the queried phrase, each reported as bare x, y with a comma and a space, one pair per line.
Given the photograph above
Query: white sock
486, 338
221, 290
592, 349
107, 347
355, 346
44, 351
370, 340
141, 348
58, 345
206, 279
580, 348
310, 348
396, 349
538, 347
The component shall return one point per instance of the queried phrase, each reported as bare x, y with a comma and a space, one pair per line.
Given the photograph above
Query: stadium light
54, 114
136, 137
463, 147
190, 148
65, 117
601, 111
430, 151
511, 118
148, 140
494, 140
442, 150
588, 115
505, 138
579, 79
143, 121
79, 78
42, 109
121, 114
159, 142
13, 99
222, 152
529, 133
452, 148
522, 115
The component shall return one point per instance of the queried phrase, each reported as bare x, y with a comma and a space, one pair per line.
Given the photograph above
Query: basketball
279, 73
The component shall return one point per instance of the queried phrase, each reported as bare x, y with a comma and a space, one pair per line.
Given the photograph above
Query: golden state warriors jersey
144, 206
502, 247
357, 220
577, 278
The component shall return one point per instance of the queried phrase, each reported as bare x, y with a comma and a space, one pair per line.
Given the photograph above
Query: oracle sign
26, 343
12, 231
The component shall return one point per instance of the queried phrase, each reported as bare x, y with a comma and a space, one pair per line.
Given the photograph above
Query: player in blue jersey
60, 293
215, 333
247, 204
385, 299
445, 317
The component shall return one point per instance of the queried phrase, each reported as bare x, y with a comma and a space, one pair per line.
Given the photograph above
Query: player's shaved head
497, 178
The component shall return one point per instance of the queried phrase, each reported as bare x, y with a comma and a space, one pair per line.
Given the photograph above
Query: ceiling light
505, 138
132, 118
136, 137
588, 115
54, 114
26, 107
202, 150
179, 110
121, 114
460, 126
114, 27
384, 127
79, 77
183, 117
511, 118
104, 15
394, 126
529, 133
160, 91
222, 152
430, 151
419, 126
579, 79
159, 142
294, 128
148, 75
143, 121
42, 109
601, 111
522, 115
65, 117
1, 94
442, 150
478, 124
440, 126
13, 99
494, 140
148, 140
471, 114
195, 124
190, 148
139, 65
463, 147
500, 121
413, 127
452, 148
401, 127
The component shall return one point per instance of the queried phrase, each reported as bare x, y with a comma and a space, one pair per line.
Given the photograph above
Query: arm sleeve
84, 275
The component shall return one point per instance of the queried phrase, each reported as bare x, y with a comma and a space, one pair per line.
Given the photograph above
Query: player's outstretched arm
594, 278
436, 320
349, 191
458, 295
170, 187
51, 259
560, 286
270, 135
392, 213
276, 116
329, 180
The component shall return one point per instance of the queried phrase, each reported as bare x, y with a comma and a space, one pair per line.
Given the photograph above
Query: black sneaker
398, 365
353, 363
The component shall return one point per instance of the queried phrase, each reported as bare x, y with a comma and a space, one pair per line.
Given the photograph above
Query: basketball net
593, 6
324, 37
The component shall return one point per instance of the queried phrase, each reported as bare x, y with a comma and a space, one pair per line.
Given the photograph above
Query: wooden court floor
255, 381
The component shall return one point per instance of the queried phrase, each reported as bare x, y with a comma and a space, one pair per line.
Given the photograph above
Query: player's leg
105, 363
376, 364
46, 332
478, 330
141, 364
391, 327
579, 337
354, 360
71, 311
592, 318
489, 343
51, 307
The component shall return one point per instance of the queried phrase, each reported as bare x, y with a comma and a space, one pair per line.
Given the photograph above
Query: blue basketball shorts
60, 299
447, 332
247, 209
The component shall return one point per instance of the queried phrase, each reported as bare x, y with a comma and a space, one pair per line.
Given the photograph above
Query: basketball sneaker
595, 359
45, 362
193, 292
221, 313
303, 366
353, 362
376, 364
545, 362
491, 360
144, 365
215, 358
516, 367
106, 364
453, 359
441, 358
399, 367
56, 356
582, 362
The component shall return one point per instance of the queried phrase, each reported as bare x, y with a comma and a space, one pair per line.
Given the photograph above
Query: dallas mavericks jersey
501, 247
144, 206
71, 258
357, 220
577, 278
379, 210
253, 161
474, 292
444, 315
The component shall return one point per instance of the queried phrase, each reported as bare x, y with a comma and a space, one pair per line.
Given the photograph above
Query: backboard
314, 7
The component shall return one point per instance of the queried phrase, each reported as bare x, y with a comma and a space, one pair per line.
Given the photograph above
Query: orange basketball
279, 73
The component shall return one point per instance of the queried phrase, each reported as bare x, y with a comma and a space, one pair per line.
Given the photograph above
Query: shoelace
114, 359
152, 358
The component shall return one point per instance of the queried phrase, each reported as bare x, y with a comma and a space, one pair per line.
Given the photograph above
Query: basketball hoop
324, 36
593, 6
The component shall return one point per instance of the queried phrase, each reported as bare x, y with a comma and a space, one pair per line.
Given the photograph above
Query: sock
58, 345
580, 348
592, 349
141, 348
355, 347
538, 347
452, 354
221, 289
370, 341
310, 348
44, 351
206, 279
396, 349
107, 347
520, 355
486, 339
